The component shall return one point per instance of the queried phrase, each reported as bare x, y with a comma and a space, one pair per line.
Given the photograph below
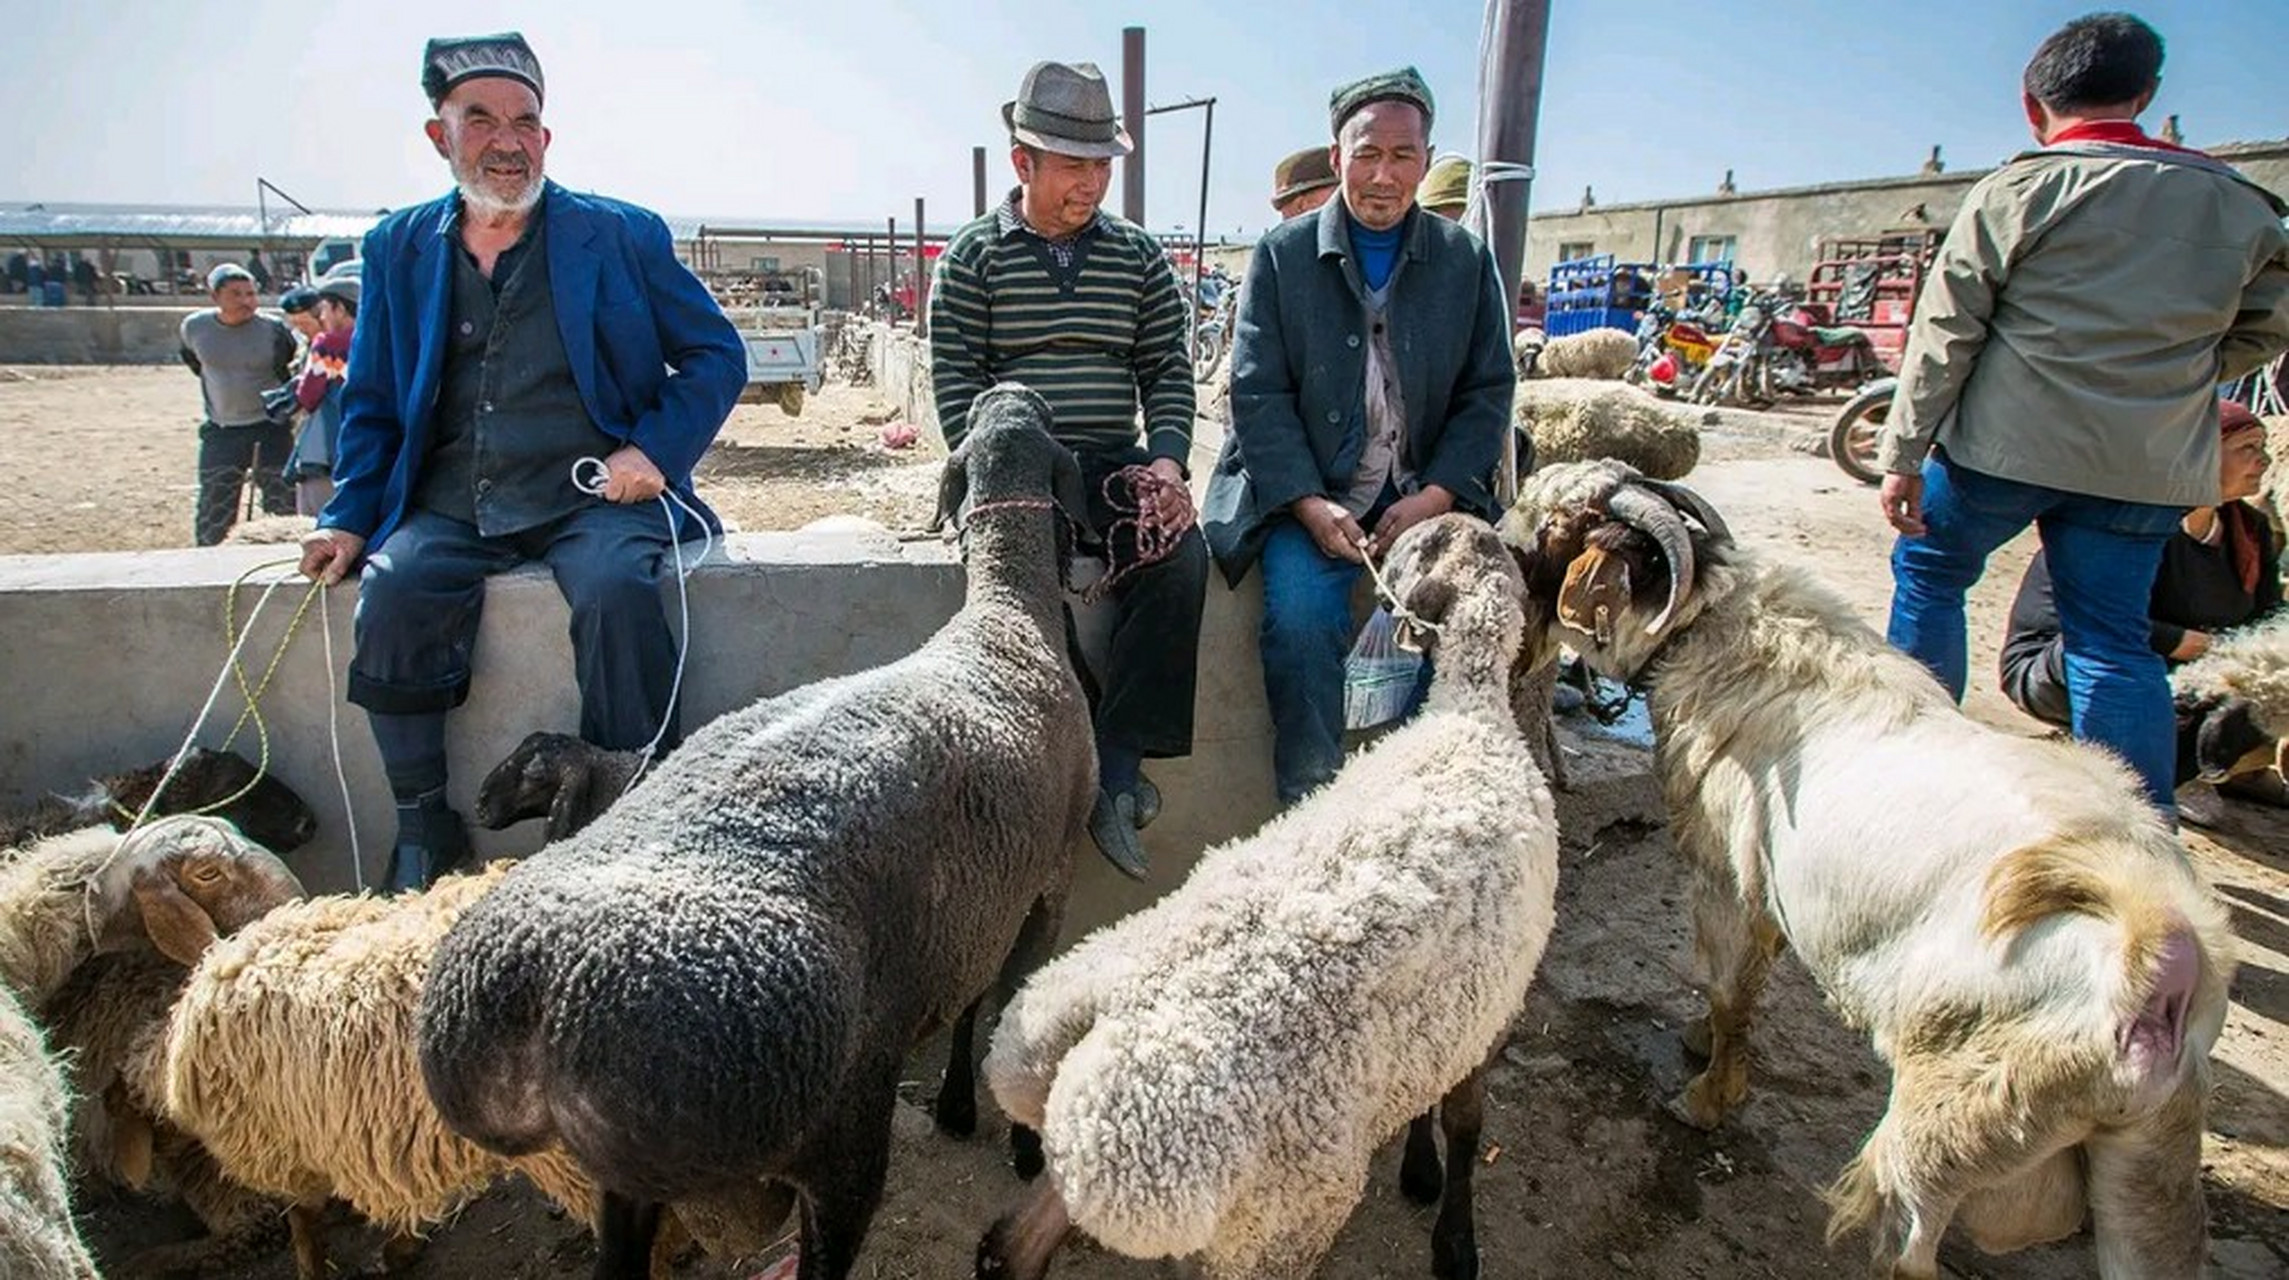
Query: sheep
174, 885
559, 776
1578, 420
1600, 354
2273, 491
107, 1013
270, 813
1211, 1076
719, 979
2233, 701
1526, 350
2007, 917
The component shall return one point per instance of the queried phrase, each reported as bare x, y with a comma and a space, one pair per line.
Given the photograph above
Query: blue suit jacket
657, 364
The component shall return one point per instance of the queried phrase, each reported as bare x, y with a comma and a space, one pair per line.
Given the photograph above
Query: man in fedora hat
1371, 385
509, 330
1302, 182
1052, 291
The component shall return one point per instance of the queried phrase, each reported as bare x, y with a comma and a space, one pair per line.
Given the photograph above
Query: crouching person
508, 330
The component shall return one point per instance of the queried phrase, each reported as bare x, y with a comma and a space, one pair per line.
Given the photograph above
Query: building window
1710, 249
765, 264
1575, 250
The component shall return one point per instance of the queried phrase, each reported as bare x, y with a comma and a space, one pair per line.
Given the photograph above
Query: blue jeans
2103, 556
423, 590
1305, 636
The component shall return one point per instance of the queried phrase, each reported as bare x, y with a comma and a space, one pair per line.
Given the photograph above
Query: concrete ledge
109, 656
91, 335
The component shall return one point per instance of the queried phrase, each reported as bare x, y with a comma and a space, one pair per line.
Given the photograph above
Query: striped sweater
1096, 338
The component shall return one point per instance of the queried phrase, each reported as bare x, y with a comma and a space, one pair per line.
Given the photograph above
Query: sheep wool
1580, 420
1212, 1075
37, 1238
1603, 355
2249, 662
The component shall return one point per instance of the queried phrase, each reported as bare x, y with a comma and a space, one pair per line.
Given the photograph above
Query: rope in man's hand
1143, 510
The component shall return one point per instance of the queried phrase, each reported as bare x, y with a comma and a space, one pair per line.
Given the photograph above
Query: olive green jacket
2082, 311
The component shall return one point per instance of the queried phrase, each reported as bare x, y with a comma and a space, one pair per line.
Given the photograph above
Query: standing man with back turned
2062, 371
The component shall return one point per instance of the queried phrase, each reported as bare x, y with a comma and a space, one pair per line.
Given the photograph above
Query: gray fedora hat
1068, 109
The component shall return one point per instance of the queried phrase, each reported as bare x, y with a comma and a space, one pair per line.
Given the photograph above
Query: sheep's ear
179, 927
569, 809
1072, 498
953, 486
1595, 593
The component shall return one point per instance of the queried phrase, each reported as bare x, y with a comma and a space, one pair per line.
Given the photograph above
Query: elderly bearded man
1371, 385
507, 331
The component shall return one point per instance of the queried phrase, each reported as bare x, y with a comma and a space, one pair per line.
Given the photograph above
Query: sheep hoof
1698, 1106
1025, 1153
1455, 1258
1695, 1037
956, 1113
400, 1252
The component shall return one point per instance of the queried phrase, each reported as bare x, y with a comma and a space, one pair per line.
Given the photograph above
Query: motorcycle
1852, 441
1672, 348
1806, 357
1212, 323
1732, 374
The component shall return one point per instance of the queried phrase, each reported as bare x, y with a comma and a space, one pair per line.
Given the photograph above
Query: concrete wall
901, 366
91, 335
108, 658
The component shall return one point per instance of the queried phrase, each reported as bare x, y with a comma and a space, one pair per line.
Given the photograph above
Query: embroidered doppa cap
449, 60
1404, 85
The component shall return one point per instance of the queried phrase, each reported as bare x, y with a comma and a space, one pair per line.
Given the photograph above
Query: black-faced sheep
719, 979
176, 885
2007, 917
1211, 1075
270, 813
2233, 701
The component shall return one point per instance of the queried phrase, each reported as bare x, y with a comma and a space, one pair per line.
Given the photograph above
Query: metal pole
1133, 114
890, 262
1200, 230
921, 277
1511, 50
978, 181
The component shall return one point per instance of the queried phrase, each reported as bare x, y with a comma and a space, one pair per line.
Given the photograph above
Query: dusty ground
1582, 1173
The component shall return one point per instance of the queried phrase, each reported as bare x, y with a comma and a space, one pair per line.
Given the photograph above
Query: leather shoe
1113, 825
1148, 801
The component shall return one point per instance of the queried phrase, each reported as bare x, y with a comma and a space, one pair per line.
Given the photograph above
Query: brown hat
1067, 109
1447, 182
1306, 171
2232, 416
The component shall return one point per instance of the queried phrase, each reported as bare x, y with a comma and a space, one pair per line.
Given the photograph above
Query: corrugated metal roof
154, 223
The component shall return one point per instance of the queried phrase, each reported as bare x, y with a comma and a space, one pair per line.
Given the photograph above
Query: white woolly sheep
1578, 420
720, 978
1211, 1075
175, 884
1600, 354
2236, 699
2273, 492
2008, 917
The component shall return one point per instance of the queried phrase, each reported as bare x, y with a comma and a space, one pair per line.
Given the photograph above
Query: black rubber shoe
1113, 825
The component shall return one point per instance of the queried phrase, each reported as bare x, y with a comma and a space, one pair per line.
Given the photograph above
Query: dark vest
509, 420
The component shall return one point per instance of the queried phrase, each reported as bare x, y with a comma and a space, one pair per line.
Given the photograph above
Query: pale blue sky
848, 109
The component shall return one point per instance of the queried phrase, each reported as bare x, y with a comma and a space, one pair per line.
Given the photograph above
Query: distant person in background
238, 355
1303, 182
18, 272
259, 270
83, 277
318, 393
296, 303
1445, 190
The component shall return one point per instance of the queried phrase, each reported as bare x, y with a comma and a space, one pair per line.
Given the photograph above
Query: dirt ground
1582, 1171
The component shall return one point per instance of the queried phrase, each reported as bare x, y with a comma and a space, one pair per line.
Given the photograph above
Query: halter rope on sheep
591, 476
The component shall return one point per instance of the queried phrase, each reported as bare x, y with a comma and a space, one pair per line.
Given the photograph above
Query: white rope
334, 735
230, 662
1399, 611
590, 476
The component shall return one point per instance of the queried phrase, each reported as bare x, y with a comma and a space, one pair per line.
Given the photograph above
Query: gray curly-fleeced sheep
1581, 420
2234, 701
1603, 355
720, 978
1212, 1075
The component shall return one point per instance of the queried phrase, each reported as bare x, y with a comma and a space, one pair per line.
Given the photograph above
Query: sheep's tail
1029, 1045
2169, 931
1856, 1202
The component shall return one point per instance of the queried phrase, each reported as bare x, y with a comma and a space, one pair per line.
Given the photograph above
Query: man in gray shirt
239, 355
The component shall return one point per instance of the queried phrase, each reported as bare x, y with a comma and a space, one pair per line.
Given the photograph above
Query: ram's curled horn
1692, 504
1649, 513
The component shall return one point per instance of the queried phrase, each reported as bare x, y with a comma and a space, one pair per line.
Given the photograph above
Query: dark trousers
1152, 666
226, 455
423, 591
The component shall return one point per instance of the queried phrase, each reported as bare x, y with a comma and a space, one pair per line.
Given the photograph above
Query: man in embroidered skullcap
508, 330
1052, 291
1371, 385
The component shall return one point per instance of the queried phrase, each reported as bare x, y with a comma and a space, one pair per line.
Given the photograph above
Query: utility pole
1133, 115
1200, 229
1511, 53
